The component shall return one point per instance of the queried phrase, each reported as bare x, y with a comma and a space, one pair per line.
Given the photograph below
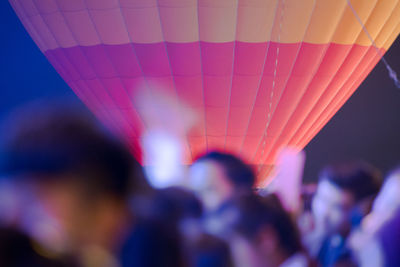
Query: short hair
174, 204
255, 213
152, 243
14, 243
359, 178
238, 172
208, 250
48, 142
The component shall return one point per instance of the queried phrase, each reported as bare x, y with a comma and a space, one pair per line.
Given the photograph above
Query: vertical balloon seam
351, 89
370, 67
392, 73
340, 101
232, 73
36, 38
50, 31
173, 77
261, 77
274, 147
23, 10
315, 104
287, 79
66, 61
316, 121
262, 138
131, 44
202, 76
111, 62
321, 125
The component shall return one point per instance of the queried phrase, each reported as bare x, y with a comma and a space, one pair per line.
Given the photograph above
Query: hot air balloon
262, 73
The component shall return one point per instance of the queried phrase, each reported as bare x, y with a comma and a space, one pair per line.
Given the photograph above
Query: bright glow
287, 179
162, 156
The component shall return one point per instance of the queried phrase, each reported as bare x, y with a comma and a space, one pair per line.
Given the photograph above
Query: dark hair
63, 140
359, 178
152, 244
174, 204
240, 174
255, 212
18, 249
208, 251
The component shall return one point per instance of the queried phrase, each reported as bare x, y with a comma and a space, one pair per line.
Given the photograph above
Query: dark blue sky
25, 74
367, 127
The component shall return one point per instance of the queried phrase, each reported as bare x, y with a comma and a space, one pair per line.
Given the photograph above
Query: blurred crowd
71, 194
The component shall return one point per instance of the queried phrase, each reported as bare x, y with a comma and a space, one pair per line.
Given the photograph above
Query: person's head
217, 176
75, 169
344, 195
152, 243
264, 232
173, 204
160, 232
18, 249
178, 209
380, 223
208, 251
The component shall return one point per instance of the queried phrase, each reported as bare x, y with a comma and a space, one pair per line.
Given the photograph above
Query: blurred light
162, 159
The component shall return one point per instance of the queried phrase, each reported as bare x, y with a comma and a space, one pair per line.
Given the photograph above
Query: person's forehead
206, 165
206, 170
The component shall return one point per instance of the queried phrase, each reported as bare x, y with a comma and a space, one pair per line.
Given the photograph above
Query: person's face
63, 201
85, 219
209, 181
332, 208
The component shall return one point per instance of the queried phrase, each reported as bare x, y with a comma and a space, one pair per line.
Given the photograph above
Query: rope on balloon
391, 72
273, 84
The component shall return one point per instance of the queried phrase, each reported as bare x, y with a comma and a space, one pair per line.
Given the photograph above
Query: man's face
58, 210
209, 181
63, 202
332, 208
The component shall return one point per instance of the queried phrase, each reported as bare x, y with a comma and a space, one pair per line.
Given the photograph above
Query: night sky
367, 127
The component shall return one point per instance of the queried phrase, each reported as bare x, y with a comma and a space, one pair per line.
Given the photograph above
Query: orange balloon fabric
263, 74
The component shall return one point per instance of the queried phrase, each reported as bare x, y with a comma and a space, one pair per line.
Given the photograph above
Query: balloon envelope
262, 74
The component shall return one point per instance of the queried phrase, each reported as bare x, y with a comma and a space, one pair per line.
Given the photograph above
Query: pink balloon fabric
261, 74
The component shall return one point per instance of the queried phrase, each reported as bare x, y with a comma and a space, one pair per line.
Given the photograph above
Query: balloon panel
260, 74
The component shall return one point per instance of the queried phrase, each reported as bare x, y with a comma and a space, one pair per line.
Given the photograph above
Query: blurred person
170, 233
182, 210
174, 206
208, 251
305, 218
167, 229
344, 195
151, 244
388, 239
264, 234
74, 179
217, 178
375, 243
387, 202
18, 249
